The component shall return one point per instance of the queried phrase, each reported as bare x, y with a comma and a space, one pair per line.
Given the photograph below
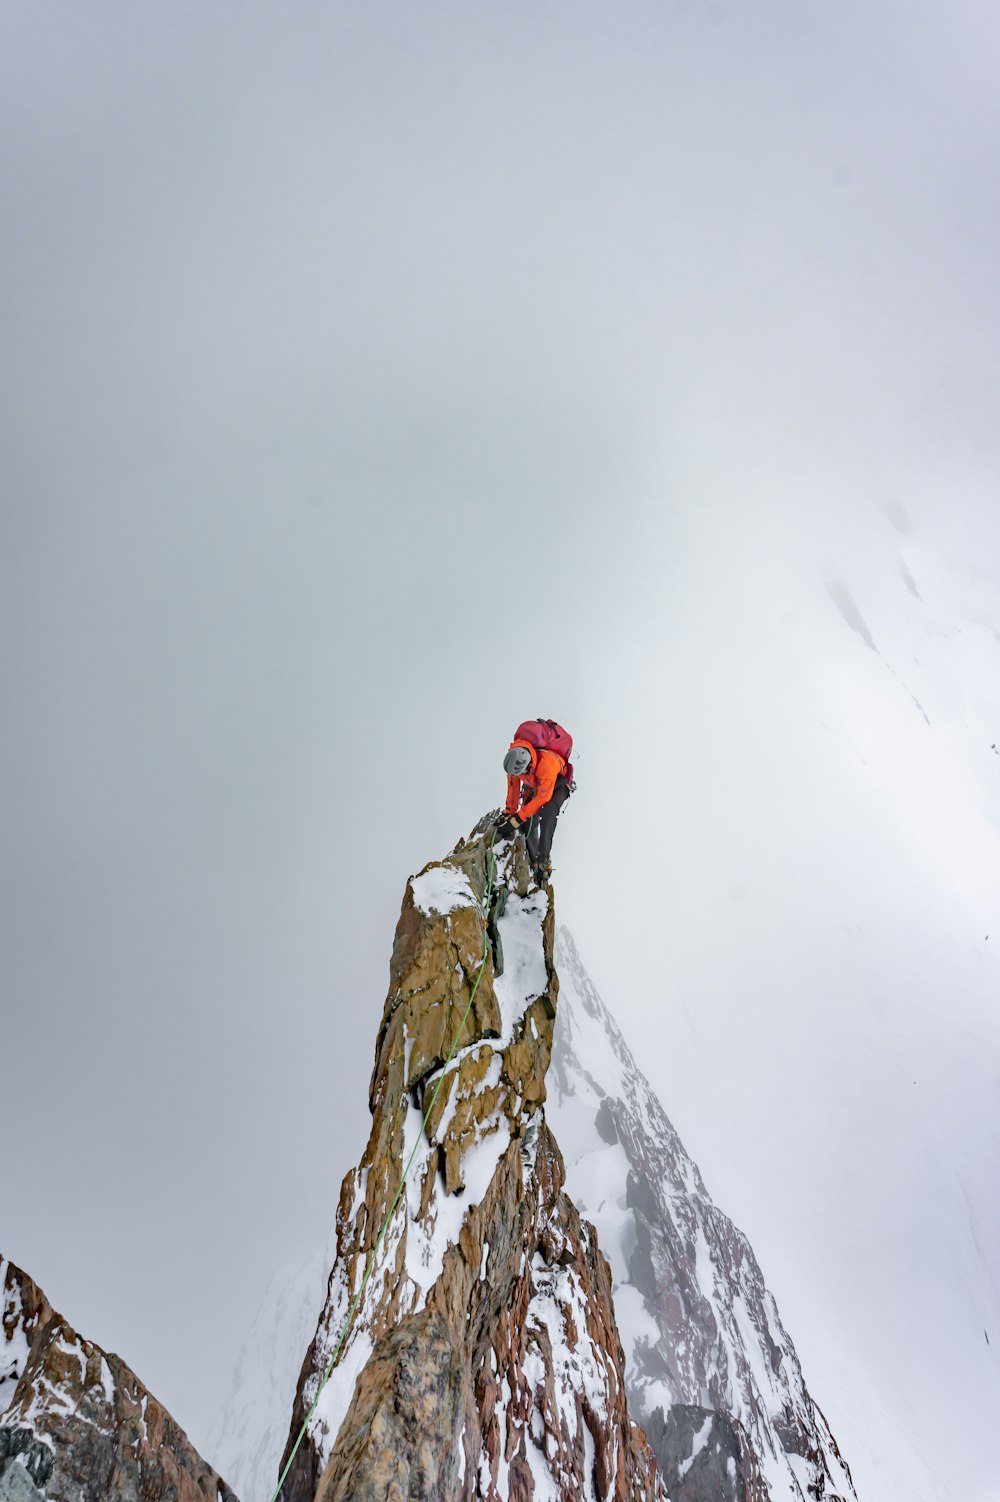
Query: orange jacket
540, 780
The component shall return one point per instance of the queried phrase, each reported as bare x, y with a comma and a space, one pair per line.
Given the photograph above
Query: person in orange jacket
537, 788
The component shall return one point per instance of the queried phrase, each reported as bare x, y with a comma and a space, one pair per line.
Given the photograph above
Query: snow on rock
468, 1328
76, 1425
526, 974
442, 889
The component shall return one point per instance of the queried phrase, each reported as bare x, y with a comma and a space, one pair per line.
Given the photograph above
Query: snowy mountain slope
708, 1361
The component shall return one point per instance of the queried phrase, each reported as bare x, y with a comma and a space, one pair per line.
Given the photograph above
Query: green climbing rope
373, 1254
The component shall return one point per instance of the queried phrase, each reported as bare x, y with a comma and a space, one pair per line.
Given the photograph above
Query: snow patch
429, 1238
636, 1325
698, 1442
107, 1382
441, 890
525, 976
15, 1348
335, 1399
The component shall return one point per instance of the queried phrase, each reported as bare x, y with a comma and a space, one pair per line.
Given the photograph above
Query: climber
539, 780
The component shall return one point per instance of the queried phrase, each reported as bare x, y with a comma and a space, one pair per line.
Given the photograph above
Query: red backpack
547, 735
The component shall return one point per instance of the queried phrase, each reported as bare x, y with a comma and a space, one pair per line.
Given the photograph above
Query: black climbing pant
542, 826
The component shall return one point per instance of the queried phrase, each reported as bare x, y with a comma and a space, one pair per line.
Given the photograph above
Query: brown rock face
483, 1361
76, 1425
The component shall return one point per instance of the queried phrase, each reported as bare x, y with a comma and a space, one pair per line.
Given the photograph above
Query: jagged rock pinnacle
484, 1361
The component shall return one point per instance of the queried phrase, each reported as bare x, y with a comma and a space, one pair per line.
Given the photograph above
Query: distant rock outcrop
76, 1425
484, 1361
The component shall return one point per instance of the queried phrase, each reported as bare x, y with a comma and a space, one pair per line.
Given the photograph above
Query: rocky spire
76, 1425
484, 1360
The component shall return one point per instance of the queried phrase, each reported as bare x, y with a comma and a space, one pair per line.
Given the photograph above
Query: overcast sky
374, 377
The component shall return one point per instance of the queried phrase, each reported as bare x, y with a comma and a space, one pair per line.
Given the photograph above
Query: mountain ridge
76, 1424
